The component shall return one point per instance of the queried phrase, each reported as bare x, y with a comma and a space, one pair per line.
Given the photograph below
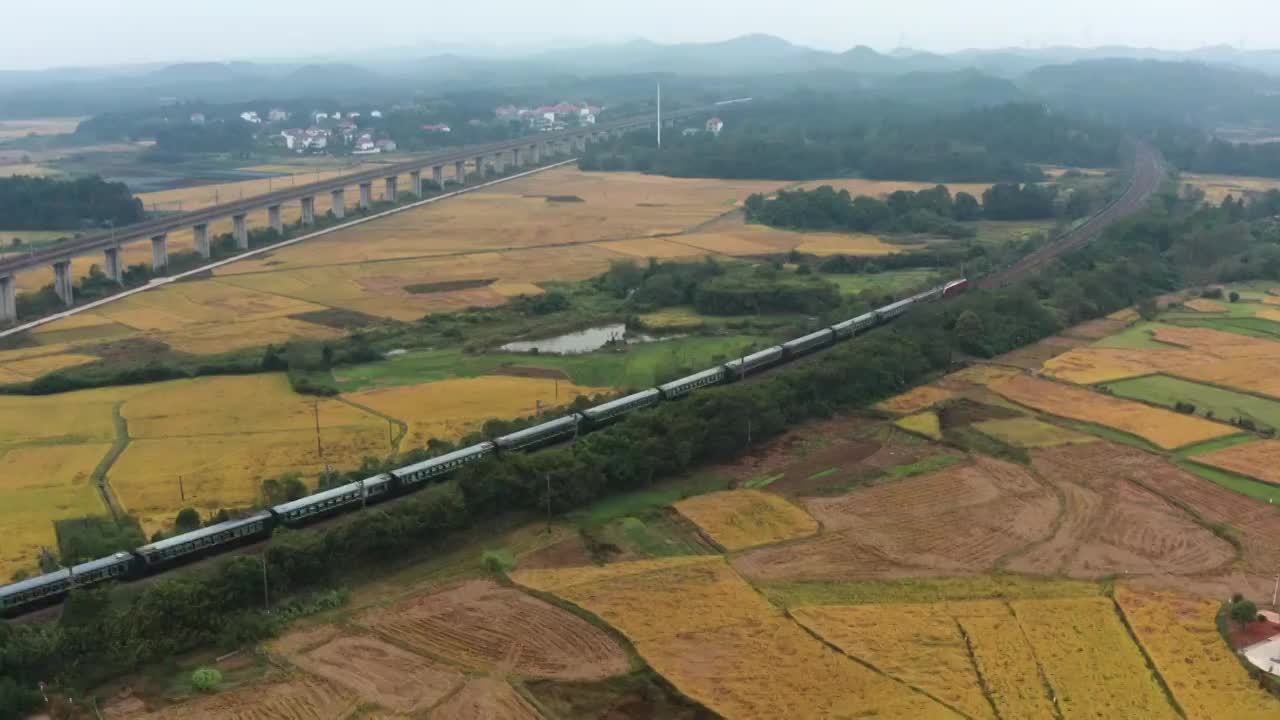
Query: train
26, 595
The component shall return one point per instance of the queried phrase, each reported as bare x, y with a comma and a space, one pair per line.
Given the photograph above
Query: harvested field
1110, 526
925, 423
981, 374
1034, 356
719, 642
1089, 660
484, 698
1126, 315
1097, 329
1260, 460
381, 673
1226, 404
804, 593
1025, 432
929, 653
1257, 524
302, 639
1217, 187
486, 627
35, 367
450, 409
957, 521
1203, 305
915, 400
822, 244
14, 129
739, 519
297, 699
1164, 428
1181, 637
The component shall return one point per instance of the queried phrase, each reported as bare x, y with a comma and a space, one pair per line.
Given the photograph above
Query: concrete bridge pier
200, 233
274, 218
240, 231
62, 283
516, 158
309, 210
366, 195
480, 166
159, 252
437, 175
8, 300
389, 193
113, 269
415, 183
581, 142
499, 163
460, 172
338, 198
535, 154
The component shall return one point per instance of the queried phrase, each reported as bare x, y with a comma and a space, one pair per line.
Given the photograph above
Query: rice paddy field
14, 129
739, 519
1217, 187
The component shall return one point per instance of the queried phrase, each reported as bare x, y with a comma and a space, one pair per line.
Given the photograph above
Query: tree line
932, 211
36, 203
1194, 151
811, 136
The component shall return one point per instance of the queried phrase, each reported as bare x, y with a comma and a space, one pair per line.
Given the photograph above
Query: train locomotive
49, 588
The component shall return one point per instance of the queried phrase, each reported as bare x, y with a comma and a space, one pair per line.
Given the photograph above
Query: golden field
928, 652
1164, 428
41, 484
718, 641
923, 423
1089, 659
1259, 459
915, 400
982, 374
1217, 187
1031, 433
1205, 306
1181, 637
31, 169
739, 519
14, 129
1005, 660
450, 409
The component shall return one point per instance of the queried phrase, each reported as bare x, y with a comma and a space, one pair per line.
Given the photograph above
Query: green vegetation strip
1226, 405
799, 593
637, 503
1232, 481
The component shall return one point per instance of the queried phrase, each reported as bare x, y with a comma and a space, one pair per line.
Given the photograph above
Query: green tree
188, 519
1234, 296
1244, 611
206, 679
970, 330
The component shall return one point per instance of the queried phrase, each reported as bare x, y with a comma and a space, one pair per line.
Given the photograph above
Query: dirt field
739, 519
485, 699
1260, 460
1205, 306
957, 521
1256, 523
915, 400
929, 653
1164, 428
381, 673
1110, 526
719, 642
1180, 635
485, 627
1097, 329
296, 699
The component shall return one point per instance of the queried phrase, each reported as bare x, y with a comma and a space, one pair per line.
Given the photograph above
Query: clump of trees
35, 203
932, 211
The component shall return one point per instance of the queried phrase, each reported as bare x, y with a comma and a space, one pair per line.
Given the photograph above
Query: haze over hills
394, 72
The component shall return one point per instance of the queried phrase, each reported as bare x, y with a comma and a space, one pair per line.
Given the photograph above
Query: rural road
1147, 174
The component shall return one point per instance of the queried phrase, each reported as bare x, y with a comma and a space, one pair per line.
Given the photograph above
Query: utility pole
182, 492
548, 476
319, 449
391, 441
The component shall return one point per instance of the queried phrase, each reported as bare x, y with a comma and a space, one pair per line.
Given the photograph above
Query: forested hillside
31, 203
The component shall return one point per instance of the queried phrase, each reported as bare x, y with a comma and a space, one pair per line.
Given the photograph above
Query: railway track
1147, 173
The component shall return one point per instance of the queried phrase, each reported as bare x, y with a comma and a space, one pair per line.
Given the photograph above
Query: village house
715, 125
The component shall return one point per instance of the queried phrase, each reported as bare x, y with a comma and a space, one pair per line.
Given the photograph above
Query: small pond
583, 341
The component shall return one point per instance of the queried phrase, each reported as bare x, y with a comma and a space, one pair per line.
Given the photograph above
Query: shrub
206, 679
1244, 611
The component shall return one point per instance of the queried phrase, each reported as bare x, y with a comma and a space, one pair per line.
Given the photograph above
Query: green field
1136, 336
640, 366
1000, 232
890, 282
1231, 481
31, 239
1225, 404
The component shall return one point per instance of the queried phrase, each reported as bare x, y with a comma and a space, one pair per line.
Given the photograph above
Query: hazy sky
83, 32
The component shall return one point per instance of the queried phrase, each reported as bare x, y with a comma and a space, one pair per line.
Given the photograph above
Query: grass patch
969, 438
1117, 436
799, 593
1249, 326
1224, 404
823, 473
1231, 481
767, 480
640, 366
1211, 445
892, 282
1136, 337
656, 534
643, 501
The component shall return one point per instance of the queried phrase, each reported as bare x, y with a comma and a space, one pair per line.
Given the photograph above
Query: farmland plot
704, 629
1180, 635
915, 400
1005, 660
1162, 427
738, 519
1259, 460
1089, 660
293, 699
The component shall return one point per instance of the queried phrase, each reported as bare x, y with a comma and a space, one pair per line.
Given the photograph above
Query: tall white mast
659, 113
